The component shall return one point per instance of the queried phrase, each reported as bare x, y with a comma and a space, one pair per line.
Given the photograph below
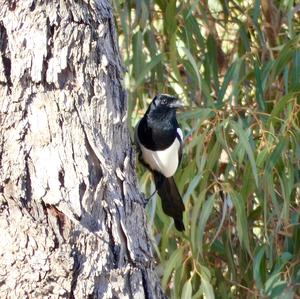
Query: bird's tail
170, 198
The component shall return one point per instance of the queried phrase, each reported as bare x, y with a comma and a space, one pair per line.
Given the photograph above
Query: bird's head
166, 102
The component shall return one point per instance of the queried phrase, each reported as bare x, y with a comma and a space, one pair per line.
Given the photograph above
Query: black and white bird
159, 140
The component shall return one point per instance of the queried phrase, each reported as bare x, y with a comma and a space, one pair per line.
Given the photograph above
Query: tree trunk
72, 221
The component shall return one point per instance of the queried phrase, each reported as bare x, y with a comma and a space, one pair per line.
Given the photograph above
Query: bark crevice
27, 182
75, 271
5, 55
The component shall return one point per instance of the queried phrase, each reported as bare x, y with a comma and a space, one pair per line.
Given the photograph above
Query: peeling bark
72, 220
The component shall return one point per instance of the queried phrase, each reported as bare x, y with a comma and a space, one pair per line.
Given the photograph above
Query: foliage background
236, 64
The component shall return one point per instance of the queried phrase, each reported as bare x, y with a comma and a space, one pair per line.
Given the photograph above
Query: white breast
164, 161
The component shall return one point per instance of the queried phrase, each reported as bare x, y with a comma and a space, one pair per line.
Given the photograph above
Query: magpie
159, 141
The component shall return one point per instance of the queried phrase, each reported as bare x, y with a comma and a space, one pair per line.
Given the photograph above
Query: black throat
158, 128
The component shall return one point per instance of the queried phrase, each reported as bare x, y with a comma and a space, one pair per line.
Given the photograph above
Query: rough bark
72, 221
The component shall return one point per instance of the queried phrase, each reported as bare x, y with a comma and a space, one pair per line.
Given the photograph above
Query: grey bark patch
72, 223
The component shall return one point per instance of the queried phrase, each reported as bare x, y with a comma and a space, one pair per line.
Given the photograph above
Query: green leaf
174, 261
200, 114
244, 37
192, 8
202, 85
208, 291
203, 217
284, 57
194, 64
278, 290
194, 218
259, 88
187, 290
241, 217
227, 79
259, 269
245, 143
281, 105
276, 154
192, 185
138, 59
170, 22
173, 55
193, 27
148, 67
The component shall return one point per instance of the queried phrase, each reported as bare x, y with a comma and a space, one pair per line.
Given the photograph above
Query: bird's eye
164, 101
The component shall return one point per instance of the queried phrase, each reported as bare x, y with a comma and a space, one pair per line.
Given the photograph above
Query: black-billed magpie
159, 140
